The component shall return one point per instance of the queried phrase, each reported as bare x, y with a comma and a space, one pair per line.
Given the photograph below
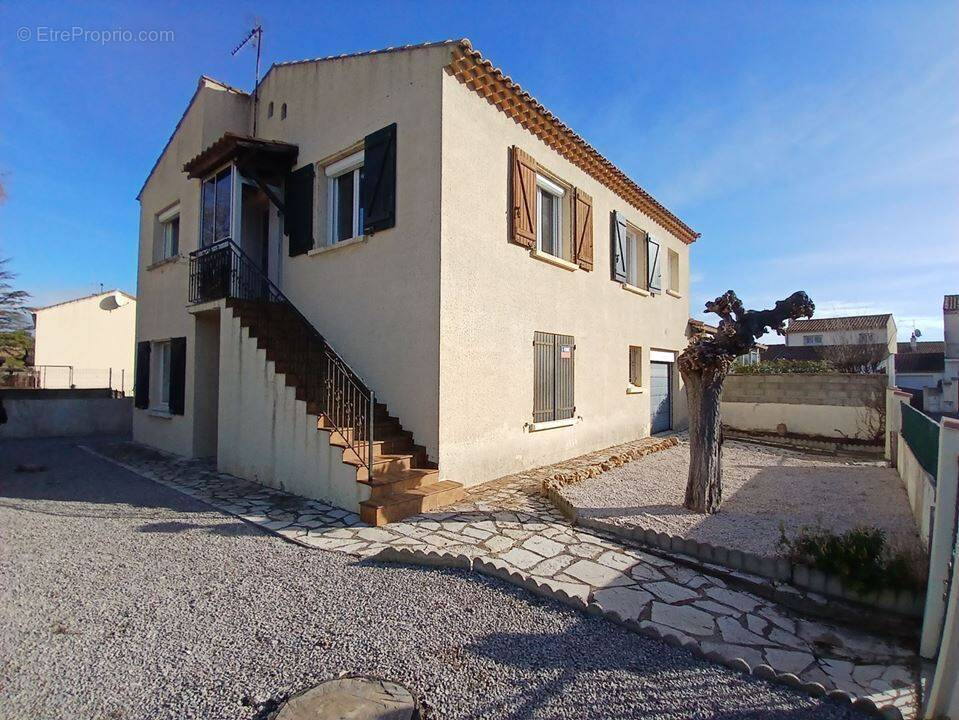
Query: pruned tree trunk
703, 365
704, 489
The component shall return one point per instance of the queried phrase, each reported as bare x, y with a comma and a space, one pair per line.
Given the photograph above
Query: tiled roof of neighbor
84, 297
927, 346
853, 322
950, 303
920, 362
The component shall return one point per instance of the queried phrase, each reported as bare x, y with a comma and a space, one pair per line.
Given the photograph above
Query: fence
922, 435
62, 377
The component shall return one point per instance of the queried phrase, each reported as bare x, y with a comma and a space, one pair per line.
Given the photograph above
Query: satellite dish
113, 301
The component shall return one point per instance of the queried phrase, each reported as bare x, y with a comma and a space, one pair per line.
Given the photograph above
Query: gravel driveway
763, 488
120, 598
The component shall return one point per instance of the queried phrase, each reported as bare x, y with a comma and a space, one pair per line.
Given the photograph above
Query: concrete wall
494, 296
920, 487
162, 290
30, 417
376, 301
265, 433
94, 335
828, 405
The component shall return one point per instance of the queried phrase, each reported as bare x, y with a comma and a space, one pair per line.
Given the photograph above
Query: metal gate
553, 377
660, 400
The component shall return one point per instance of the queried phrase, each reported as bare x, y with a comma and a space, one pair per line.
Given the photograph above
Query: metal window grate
553, 377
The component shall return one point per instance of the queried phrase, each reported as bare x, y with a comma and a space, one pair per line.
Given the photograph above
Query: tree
12, 302
704, 365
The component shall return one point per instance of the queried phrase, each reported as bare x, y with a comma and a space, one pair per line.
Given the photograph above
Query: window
812, 339
550, 199
269, 109
633, 257
867, 338
635, 366
673, 270
343, 191
161, 375
553, 377
283, 111
216, 205
166, 241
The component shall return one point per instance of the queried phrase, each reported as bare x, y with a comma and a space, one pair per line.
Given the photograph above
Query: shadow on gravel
236, 529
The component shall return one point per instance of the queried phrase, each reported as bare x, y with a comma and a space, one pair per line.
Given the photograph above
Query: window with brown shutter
582, 229
522, 198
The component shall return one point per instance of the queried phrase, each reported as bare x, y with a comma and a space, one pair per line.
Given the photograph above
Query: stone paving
505, 528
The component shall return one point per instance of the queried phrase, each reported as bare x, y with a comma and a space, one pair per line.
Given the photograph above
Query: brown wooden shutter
582, 229
522, 199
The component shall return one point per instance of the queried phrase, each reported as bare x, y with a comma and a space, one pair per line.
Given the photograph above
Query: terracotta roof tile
950, 303
853, 322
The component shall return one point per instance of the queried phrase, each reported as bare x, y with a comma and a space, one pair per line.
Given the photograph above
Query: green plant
779, 367
861, 557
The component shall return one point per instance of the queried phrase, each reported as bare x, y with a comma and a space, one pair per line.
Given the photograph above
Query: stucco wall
162, 291
94, 335
265, 433
494, 296
829, 405
30, 417
378, 301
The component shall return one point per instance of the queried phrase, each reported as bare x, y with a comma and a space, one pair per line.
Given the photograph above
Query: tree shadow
170, 527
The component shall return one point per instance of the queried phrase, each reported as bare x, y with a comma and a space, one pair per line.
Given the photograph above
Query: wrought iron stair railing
222, 271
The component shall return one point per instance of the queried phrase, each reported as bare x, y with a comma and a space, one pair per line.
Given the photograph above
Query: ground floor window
161, 375
553, 377
635, 366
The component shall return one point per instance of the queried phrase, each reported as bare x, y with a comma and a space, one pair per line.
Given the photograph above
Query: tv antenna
257, 33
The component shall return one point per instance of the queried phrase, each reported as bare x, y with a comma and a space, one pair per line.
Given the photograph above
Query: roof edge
82, 297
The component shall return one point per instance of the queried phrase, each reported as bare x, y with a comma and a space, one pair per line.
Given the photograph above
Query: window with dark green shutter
177, 375
141, 376
378, 180
553, 377
298, 215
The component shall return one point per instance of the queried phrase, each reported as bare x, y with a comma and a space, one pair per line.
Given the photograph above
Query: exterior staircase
401, 479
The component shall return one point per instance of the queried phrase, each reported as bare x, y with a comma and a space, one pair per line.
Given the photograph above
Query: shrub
860, 557
779, 367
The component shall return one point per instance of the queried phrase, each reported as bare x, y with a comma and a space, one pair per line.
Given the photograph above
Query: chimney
950, 322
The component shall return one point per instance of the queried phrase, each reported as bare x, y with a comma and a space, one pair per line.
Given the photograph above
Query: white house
397, 274
87, 342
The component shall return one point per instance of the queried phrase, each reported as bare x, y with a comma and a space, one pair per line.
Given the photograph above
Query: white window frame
351, 164
544, 184
631, 259
162, 249
160, 355
812, 339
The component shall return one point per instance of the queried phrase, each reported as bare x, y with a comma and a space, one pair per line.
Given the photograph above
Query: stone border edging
615, 460
499, 570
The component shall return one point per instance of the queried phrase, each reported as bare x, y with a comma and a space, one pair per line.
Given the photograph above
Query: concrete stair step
410, 502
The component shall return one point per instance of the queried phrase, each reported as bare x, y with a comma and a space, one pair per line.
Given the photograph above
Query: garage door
660, 404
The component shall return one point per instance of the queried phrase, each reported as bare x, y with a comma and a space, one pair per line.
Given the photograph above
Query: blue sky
814, 145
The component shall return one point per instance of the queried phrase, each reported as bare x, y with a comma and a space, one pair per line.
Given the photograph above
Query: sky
813, 144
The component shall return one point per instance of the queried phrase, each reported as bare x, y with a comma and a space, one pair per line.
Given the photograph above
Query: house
932, 368
698, 326
87, 342
391, 275
858, 342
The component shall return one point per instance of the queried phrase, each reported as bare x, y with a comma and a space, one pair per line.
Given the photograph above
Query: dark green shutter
141, 376
177, 374
378, 180
298, 204
617, 254
653, 264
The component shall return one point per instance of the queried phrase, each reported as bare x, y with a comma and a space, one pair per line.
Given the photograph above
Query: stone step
410, 502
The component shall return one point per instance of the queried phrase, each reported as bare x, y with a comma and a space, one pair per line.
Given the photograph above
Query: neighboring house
933, 367
499, 295
87, 342
698, 326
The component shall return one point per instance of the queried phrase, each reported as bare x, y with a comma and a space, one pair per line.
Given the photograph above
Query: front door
660, 399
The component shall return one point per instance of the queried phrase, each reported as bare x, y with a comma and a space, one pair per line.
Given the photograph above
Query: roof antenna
256, 32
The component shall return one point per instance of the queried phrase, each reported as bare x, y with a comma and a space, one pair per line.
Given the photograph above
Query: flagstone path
506, 529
